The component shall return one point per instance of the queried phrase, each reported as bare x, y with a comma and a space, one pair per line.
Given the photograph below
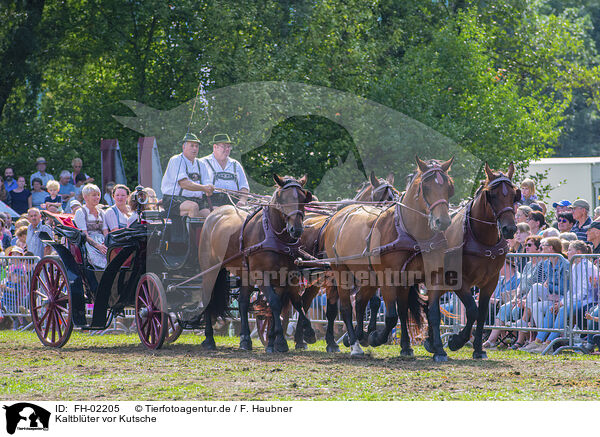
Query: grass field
117, 367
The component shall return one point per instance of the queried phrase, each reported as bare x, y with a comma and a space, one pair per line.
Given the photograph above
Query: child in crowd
79, 183
53, 201
20, 239
528, 195
13, 288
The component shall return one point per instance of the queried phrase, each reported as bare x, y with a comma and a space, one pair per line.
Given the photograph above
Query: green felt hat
190, 138
222, 138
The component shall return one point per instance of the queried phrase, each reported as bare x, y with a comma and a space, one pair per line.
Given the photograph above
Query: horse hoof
440, 358
309, 336
356, 350
246, 345
301, 346
208, 345
269, 349
479, 355
281, 346
428, 347
407, 353
332, 349
345, 340
374, 339
455, 342
364, 341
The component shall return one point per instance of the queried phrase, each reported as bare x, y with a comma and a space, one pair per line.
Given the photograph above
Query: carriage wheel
263, 324
151, 317
50, 302
175, 329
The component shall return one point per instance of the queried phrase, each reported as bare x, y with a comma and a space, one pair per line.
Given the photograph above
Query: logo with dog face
26, 416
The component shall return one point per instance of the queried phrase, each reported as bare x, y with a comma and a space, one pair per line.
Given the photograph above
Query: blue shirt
11, 186
45, 178
66, 189
557, 275
506, 285
34, 243
37, 198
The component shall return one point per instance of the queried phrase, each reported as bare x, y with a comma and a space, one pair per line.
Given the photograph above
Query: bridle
287, 216
492, 185
439, 173
385, 189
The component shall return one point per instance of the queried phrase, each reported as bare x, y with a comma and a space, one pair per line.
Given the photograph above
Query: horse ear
517, 195
390, 178
421, 164
446, 165
374, 181
511, 170
302, 180
278, 179
309, 197
488, 172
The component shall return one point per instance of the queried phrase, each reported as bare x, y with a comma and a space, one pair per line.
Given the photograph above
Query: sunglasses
530, 245
562, 220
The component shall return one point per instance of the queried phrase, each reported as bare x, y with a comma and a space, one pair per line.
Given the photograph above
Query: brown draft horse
259, 248
376, 190
402, 241
479, 235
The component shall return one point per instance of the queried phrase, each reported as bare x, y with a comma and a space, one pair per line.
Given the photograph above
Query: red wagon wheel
151, 317
175, 329
50, 302
264, 322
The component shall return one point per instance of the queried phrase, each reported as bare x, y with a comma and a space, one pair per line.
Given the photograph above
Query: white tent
5, 208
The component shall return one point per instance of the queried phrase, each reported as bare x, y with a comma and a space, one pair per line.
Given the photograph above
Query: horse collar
474, 247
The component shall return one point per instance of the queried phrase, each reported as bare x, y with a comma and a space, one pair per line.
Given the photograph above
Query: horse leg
374, 305
346, 312
377, 337
209, 342
402, 303
276, 336
360, 306
331, 315
484, 300
304, 332
244, 305
457, 341
434, 317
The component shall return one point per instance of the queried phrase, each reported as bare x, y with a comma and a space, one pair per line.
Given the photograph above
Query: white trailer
570, 178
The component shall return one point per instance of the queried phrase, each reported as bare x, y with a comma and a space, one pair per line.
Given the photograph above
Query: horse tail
416, 305
221, 295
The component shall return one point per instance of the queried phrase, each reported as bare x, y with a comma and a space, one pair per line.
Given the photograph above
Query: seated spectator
77, 165
75, 205
528, 192
581, 272
536, 223
550, 232
53, 201
505, 293
593, 236
133, 206
34, 243
522, 214
107, 198
67, 189
523, 231
536, 207
90, 219
38, 196
560, 207
117, 215
568, 236
20, 239
6, 239
592, 325
41, 174
5, 229
596, 212
581, 209
565, 222
555, 276
152, 199
79, 183
20, 197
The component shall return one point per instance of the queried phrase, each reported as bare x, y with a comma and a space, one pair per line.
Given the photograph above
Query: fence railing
15, 277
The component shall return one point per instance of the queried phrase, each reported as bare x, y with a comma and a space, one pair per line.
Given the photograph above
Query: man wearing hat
559, 207
593, 235
224, 172
182, 185
41, 174
581, 212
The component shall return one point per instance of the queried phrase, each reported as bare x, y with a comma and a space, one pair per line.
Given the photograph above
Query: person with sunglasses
565, 221
224, 172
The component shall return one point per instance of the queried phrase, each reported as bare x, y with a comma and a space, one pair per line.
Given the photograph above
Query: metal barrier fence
15, 277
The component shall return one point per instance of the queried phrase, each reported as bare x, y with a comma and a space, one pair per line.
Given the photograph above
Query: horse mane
484, 183
430, 163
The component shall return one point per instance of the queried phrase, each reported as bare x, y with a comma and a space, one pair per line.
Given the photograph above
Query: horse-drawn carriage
145, 263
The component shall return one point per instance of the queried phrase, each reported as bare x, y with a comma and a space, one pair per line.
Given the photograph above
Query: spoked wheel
175, 329
151, 317
264, 322
50, 302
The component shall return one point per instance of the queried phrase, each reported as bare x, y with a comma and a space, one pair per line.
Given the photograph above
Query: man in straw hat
224, 172
182, 185
40, 164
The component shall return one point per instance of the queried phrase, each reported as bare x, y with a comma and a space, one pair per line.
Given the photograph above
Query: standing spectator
581, 210
9, 179
77, 165
565, 221
53, 201
38, 195
117, 215
593, 236
90, 219
536, 222
13, 287
108, 197
528, 192
522, 214
20, 197
5, 234
34, 243
41, 174
67, 189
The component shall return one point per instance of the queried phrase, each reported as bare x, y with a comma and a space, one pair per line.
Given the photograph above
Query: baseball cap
595, 224
561, 203
582, 203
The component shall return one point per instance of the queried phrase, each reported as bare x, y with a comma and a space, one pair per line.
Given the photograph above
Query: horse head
501, 195
379, 190
290, 199
433, 188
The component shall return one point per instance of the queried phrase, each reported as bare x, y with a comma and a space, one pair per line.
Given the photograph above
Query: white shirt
113, 219
180, 168
581, 285
232, 167
80, 222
